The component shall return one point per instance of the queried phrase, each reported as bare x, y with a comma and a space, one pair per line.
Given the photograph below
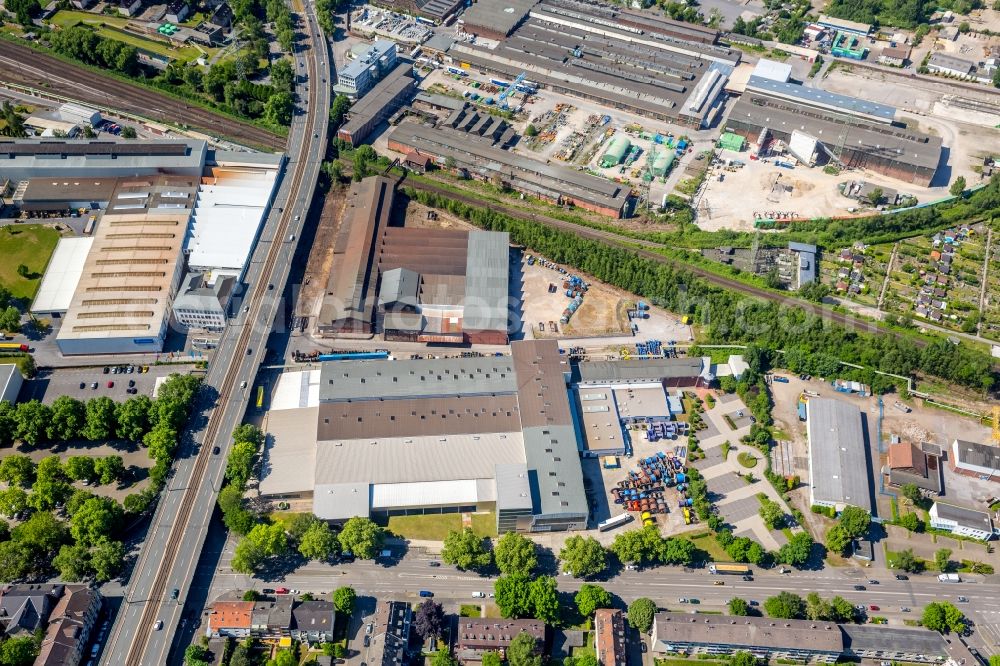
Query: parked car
83, 385
93, 385
873, 607
107, 369
433, 563
281, 590
215, 450
478, 595
158, 625
426, 593
111, 384
902, 577
268, 590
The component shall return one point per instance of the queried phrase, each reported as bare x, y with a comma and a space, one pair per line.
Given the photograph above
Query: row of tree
729, 318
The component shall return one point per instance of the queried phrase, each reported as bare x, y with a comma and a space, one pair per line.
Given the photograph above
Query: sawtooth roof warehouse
438, 435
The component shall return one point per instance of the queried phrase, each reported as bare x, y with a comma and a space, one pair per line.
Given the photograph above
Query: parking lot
50, 384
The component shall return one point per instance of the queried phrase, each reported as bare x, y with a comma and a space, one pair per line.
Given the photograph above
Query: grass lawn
113, 27
706, 541
435, 526
780, 435
470, 610
28, 244
748, 460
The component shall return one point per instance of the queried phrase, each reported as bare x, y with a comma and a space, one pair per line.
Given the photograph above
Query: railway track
26, 66
857, 324
165, 565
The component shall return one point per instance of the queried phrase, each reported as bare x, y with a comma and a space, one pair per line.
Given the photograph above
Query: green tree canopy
590, 597
785, 605
641, 613
513, 595
515, 554
343, 600
797, 550
738, 606
943, 617
361, 536
524, 651
466, 550
318, 542
583, 557
855, 521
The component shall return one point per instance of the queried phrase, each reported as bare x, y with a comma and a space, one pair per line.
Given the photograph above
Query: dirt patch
320, 260
602, 312
417, 215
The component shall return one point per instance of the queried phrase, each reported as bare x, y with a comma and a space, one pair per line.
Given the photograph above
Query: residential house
177, 11
610, 637
230, 619
391, 633
312, 621
919, 465
962, 521
24, 609
129, 7
272, 617
70, 626
478, 635
894, 56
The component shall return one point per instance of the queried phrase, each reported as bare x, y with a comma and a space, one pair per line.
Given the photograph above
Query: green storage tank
616, 152
662, 163
731, 141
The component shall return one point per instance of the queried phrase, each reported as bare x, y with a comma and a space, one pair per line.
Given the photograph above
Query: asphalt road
179, 526
405, 577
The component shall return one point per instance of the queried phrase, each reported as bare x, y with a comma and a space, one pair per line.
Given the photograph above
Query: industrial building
10, 382
62, 274
817, 134
621, 58
25, 159
975, 459
962, 521
122, 302
203, 300
63, 195
942, 63
839, 472
413, 284
802, 640
359, 75
919, 465
479, 157
436, 11
805, 257
377, 106
430, 436
842, 25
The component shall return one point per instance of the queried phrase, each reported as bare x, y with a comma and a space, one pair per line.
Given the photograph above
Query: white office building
962, 521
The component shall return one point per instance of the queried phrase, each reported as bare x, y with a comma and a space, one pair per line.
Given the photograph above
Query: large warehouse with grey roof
839, 471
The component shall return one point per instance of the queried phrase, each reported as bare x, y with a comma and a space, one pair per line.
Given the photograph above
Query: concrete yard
602, 312
50, 384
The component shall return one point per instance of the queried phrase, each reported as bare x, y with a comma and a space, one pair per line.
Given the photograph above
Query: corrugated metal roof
417, 417
340, 501
818, 97
486, 281
296, 390
413, 378
289, 451
414, 459
652, 370
62, 275
399, 286
839, 471
432, 493
513, 487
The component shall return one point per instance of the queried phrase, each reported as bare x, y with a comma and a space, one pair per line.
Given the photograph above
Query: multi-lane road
151, 610
405, 577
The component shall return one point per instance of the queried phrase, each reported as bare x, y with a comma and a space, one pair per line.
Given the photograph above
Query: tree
32, 419
13, 501
128, 132
590, 598
361, 536
72, 562
816, 607
583, 556
428, 620
10, 320
641, 613
443, 658
95, 520
523, 651
837, 539
318, 543
842, 610
19, 651
100, 419
911, 492
530, 130
109, 469
957, 187
80, 468
278, 109
738, 606
42, 533
343, 600
911, 522
196, 655
15, 561
855, 521
544, 599
942, 559
132, 418
47, 494
906, 561
785, 605
875, 196
17, 469
796, 552
465, 550
284, 658
943, 617
743, 658
282, 75
493, 659
513, 595
515, 554
8, 423
338, 110
68, 418
161, 442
